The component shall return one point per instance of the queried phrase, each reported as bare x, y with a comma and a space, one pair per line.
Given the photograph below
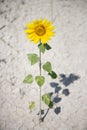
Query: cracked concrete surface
68, 57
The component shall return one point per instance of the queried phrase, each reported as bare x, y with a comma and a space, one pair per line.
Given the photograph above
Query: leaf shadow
55, 86
57, 110
66, 81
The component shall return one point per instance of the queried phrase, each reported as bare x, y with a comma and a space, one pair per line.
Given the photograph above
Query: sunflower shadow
66, 81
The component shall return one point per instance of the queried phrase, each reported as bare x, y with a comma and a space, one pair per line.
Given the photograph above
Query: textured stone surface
68, 56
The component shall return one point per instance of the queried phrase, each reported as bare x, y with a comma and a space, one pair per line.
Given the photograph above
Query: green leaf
47, 67
41, 47
47, 100
44, 47
33, 58
28, 79
53, 75
32, 105
47, 47
51, 104
40, 80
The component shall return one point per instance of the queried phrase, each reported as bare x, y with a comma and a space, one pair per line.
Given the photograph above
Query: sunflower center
40, 30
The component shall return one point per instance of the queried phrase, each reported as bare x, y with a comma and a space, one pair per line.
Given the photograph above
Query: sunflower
40, 30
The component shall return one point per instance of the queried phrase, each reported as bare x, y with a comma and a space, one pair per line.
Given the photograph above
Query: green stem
40, 62
40, 87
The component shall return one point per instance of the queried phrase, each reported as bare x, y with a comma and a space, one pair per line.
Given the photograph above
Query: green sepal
33, 58
40, 80
28, 79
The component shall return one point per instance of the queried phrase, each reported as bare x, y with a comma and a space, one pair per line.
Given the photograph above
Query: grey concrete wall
68, 57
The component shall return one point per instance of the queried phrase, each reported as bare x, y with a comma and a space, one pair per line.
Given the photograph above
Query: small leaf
28, 79
32, 105
33, 58
41, 47
47, 67
40, 80
46, 98
51, 104
47, 47
53, 75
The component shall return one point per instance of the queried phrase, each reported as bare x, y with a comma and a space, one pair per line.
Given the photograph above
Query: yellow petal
29, 31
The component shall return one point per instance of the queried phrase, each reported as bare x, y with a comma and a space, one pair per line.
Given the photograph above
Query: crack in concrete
3, 60
2, 27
